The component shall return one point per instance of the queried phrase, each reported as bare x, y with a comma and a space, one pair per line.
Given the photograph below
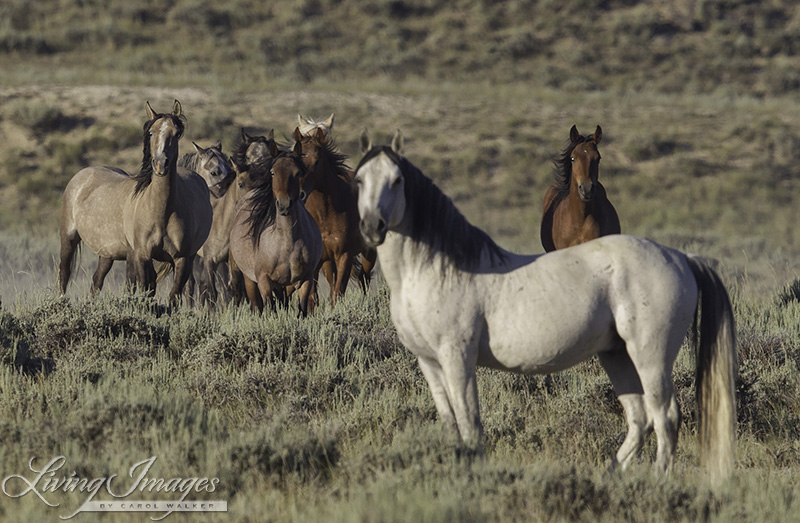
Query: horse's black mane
145, 174
562, 174
239, 156
262, 201
337, 160
434, 219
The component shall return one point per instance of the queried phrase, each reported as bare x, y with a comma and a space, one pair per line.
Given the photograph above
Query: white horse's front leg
458, 366
435, 377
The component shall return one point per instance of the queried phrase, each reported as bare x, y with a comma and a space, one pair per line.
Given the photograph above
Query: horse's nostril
381, 226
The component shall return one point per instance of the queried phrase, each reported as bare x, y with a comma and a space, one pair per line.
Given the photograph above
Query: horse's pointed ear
176, 109
297, 134
300, 119
273, 149
598, 133
271, 135
245, 137
364, 142
197, 148
319, 136
574, 135
329, 122
398, 142
297, 149
151, 114
218, 145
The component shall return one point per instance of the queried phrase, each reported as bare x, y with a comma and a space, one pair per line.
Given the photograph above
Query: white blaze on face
381, 191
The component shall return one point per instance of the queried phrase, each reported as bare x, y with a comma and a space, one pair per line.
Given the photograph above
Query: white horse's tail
716, 369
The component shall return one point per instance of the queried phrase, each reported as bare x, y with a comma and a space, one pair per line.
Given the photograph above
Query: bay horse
576, 208
161, 213
332, 201
458, 300
274, 240
216, 169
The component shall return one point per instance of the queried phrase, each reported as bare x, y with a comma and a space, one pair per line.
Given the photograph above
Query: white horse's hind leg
620, 370
435, 377
662, 407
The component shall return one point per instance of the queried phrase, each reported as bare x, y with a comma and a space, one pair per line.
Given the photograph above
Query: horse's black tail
716, 368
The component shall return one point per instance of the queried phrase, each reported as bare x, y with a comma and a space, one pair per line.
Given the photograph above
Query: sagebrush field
329, 419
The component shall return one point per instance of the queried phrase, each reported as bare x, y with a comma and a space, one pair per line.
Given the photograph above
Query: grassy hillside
694, 46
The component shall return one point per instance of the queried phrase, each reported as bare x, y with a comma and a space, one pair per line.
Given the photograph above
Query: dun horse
217, 171
576, 208
459, 300
332, 201
274, 241
309, 126
162, 213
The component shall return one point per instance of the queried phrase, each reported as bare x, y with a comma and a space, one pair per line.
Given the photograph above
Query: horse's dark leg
145, 275
209, 280
368, 259
343, 266
103, 266
69, 243
251, 288
329, 271
237, 282
303, 293
183, 270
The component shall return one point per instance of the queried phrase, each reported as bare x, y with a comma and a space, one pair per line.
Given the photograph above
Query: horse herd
300, 218
278, 214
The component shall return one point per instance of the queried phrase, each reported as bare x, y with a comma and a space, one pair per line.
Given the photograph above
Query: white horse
458, 300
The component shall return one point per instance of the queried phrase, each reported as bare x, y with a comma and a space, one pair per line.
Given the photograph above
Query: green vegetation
330, 419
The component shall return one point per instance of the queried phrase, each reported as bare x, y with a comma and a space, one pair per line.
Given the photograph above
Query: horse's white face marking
164, 136
381, 198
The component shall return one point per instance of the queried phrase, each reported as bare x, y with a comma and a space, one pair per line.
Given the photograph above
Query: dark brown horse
333, 203
576, 208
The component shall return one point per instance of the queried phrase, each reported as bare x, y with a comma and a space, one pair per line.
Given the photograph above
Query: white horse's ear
398, 142
197, 148
598, 133
218, 145
300, 119
151, 114
364, 142
176, 109
574, 134
329, 122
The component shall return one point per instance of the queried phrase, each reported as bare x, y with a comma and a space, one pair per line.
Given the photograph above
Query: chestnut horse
333, 202
576, 208
274, 241
162, 213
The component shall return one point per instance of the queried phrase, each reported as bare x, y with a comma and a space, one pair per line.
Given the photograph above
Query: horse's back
565, 306
91, 206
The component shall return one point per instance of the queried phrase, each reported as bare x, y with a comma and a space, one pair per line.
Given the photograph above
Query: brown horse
333, 202
274, 240
576, 208
218, 172
162, 213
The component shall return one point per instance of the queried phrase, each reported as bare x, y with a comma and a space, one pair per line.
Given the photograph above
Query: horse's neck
158, 196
